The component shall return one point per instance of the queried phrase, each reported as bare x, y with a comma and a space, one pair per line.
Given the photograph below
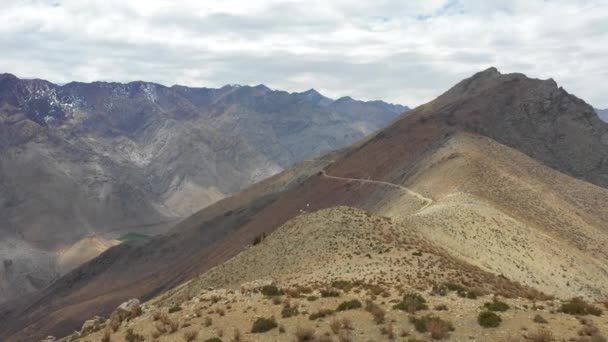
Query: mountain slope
495, 164
110, 159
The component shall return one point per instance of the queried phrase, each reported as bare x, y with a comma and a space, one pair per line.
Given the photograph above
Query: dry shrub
208, 321
441, 307
335, 325
107, 336
305, 334
237, 335
438, 330
377, 312
115, 322
541, 335
190, 335
345, 336
388, 331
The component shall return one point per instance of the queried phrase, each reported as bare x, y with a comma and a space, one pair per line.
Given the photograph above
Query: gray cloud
406, 53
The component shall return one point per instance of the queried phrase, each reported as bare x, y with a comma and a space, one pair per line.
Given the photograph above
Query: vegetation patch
175, 308
330, 293
271, 291
489, 319
496, 305
437, 327
132, 237
349, 305
320, 314
578, 306
262, 325
289, 311
411, 303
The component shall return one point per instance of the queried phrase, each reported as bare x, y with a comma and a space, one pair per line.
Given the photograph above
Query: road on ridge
428, 201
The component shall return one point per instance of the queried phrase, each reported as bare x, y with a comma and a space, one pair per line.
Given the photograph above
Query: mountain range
603, 113
498, 187
84, 164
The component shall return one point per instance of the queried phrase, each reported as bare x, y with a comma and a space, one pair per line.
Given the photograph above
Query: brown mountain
106, 159
502, 172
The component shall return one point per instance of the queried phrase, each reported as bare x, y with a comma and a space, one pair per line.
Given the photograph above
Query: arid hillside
502, 177
342, 274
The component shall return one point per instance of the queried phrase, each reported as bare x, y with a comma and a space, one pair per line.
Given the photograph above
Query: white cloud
400, 51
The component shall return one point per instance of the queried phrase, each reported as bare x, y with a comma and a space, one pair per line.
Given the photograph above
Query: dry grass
541, 335
190, 335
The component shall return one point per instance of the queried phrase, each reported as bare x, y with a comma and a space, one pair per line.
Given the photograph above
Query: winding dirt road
427, 201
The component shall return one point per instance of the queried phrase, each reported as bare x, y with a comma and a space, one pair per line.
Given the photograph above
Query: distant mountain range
99, 160
498, 187
603, 113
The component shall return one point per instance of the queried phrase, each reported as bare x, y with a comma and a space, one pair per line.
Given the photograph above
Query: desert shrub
320, 314
541, 335
343, 285
411, 302
190, 335
271, 291
540, 319
329, 293
438, 327
289, 311
130, 336
377, 312
578, 306
312, 298
213, 339
345, 336
175, 308
208, 321
496, 305
440, 307
349, 305
305, 334
107, 336
263, 325
488, 319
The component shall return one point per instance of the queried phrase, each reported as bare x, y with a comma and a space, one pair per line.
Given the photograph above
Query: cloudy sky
400, 51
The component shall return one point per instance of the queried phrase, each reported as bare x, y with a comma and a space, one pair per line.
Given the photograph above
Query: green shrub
343, 285
320, 314
578, 306
349, 305
130, 336
497, 305
540, 319
330, 293
411, 302
488, 319
438, 327
263, 325
213, 339
271, 290
175, 308
289, 311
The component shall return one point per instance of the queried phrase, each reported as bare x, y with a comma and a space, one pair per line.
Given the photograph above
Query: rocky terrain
493, 192
109, 159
